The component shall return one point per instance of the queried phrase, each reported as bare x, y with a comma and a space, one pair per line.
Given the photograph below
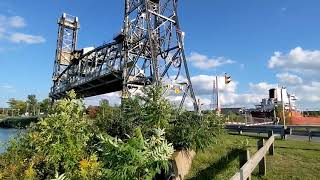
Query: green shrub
193, 131
137, 158
55, 144
132, 143
147, 111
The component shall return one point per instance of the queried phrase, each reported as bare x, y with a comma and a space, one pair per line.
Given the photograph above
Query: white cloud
308, 94
261, 87
8, 26
203, 84
204, 62
2, 30
16, 22
113, 98
288, 78
12, 22
6, 86
283, 9
313, 87
26, 38
297, 60
229, 97
240, 100
299, 73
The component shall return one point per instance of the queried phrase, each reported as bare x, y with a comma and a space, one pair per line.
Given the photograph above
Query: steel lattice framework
149, 50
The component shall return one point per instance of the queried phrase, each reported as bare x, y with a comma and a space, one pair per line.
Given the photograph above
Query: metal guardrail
277, 129
257, 159
248, 124
309, 130
302, 130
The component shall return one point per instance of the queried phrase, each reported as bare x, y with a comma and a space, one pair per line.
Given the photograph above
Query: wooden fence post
240, 130
309, 134
283, 133
244, 157
271, 149
263, 162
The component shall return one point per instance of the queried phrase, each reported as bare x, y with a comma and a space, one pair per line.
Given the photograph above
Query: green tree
12, 103
32, 103
44, 105
105, 111
19, 106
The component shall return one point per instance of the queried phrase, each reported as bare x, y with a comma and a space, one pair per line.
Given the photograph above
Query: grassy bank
17, 122
292, 159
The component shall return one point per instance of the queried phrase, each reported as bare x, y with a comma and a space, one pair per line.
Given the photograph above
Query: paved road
302, 138
289, 137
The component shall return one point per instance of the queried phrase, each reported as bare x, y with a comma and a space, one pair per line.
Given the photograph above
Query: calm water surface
6, 134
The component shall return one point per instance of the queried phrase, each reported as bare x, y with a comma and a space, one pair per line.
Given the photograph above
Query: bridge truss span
149, 50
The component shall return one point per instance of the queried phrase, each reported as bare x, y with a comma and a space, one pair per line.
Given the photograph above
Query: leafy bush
132, 143
147, 111
193, 131
55, 144
137, 158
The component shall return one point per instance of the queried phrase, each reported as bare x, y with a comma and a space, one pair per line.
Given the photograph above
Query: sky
261, 44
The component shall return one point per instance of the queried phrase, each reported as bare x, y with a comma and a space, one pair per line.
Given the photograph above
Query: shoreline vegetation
136, 141
18, 122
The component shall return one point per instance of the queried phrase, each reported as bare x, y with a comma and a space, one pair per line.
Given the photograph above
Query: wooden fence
259, 158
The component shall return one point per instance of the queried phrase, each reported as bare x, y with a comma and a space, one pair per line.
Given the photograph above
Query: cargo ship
279, 99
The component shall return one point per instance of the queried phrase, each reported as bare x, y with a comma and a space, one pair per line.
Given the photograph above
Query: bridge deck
101, 84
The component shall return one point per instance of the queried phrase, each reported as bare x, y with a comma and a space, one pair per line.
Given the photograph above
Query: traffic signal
227, 79
177, 90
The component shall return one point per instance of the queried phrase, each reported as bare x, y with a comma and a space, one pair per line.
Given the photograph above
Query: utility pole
290, 108
283, 109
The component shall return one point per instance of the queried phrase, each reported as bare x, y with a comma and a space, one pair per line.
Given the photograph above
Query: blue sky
261, 44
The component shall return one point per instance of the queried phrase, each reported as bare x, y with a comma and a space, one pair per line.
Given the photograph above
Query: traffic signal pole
218, 99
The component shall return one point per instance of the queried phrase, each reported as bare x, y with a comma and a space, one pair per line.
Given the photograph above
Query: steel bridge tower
68, 27
148, 50
154, 43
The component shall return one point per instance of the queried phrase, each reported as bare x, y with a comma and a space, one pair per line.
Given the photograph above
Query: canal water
6, 135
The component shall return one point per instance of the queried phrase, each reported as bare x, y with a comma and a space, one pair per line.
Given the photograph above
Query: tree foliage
194, 131
65, 145
135, 141
17, 105
32, 104
54, 144
44, 105
137, 158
